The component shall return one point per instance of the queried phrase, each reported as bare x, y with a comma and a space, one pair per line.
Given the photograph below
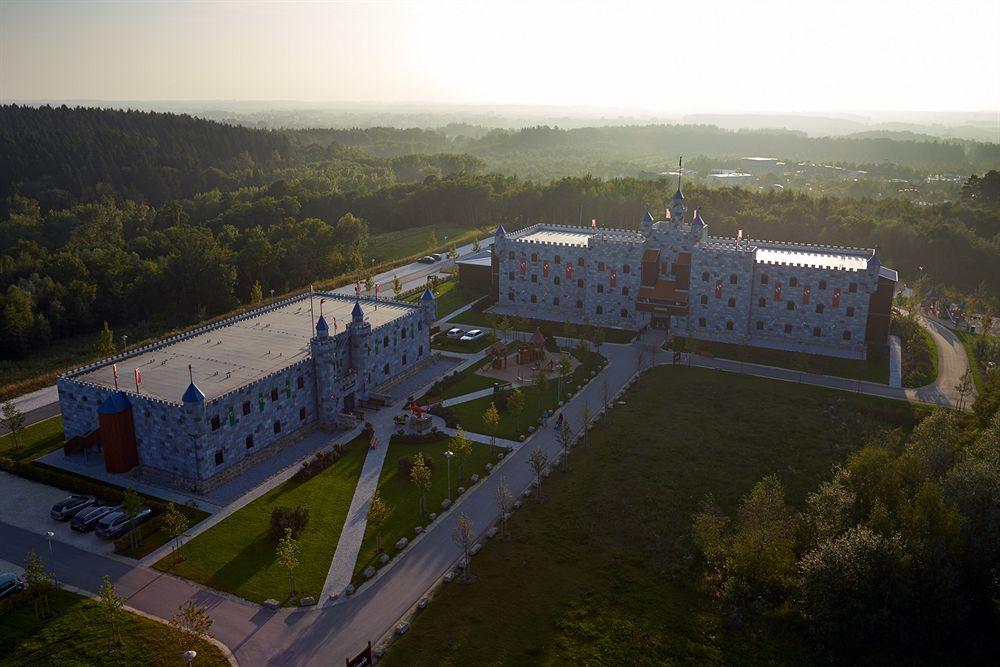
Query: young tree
463, 537
12, 417
505, 503
541, 383
964, 387
605, 393
538, 460
475, 245
491, 418
432, 242
420, 475
515, 406
585, 418
565, 437
131, 504
691, 348
453, 251
256, 293
378, 512
106, 342
597, 336
397, 285
369, 285
565, 366
639, 358
39, 584
462, 447
111, 605
175, 522
288, 552
802, 363
505, 328
193, 620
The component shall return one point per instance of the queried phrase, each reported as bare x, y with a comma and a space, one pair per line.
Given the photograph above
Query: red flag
593, 223
378, 288
138, 379
739, 237
614, 278
718, 289
836, 297
805, 295
524, 266
335, 325
114, 368
545, 268
357, 288
777, 291
569, 271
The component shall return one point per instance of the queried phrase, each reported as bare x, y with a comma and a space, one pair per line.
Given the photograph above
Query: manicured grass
237, 555
470, 414
967, 340
450, 296
920, 357
402, 496
605, 570
36, 440
78, 634
874, 369
416, 240
468, 383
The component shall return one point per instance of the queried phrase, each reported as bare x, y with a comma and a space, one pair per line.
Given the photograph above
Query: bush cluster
405, 464
283, 518
320, 461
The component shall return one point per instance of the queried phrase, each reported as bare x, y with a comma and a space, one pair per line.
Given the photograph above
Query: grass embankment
237, 555
536, 401
920, 355
36, 440
524, 327
416, 241
874, 369
968, 342
605, 571
449, 296
457, 384
399, 493
78, 634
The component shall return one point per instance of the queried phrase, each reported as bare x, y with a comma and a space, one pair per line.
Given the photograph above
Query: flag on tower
378, 288
357, 288
114, 368
593, 223
138, 379
739, 237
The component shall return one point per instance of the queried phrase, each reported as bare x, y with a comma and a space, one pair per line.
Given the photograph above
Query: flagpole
312, 315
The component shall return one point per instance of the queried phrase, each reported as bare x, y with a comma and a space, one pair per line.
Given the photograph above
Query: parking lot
26, 505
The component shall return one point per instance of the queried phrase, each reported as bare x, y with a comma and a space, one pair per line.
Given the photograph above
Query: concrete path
952, 364
895, 362
465, 398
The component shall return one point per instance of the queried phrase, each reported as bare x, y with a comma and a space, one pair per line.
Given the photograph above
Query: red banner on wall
545, 268
777, 291
569, 271
614, 278
524, 266
836, 297
718, 289
805, 295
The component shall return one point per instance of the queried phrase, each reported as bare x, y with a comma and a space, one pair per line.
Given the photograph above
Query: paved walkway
895, 362
465, 398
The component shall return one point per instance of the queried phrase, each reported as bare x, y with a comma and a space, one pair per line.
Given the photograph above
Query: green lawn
967, 340
470, 414
401, 495
36, 440
605, 570
469, 382
78, 634
237, 555
875, 369
417, 240
450, 296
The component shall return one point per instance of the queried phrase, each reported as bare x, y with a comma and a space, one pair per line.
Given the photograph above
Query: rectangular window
555, 301
579, 282
299, 382
302, 414
274, 394
219, 457
534, 277
216, 423
246, 408
600, 266
249, 441
852, 288
510, 275
277, 427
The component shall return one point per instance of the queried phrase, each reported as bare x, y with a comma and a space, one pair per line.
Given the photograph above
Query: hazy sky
672, 56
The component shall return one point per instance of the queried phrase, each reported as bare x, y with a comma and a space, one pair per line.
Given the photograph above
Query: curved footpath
328, 634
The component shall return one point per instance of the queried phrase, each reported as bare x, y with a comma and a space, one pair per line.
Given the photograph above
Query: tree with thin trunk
585, 417
13, 419
491, 419
605, 392
397, 285
378, 513
453, 252
369, 284
432, 242
462, 535
176, 523
541, 384
505, 503
639, 358
132, 505
538, 460
964, 387
565, 437
193, 620
475, 245
420, 475
598, 336
564, 368
39, 582
288, 553
111, 605
691, 348
256, 293
515, 406
461, 446
802, 364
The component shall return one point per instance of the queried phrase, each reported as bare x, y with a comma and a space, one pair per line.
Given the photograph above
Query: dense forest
192, 212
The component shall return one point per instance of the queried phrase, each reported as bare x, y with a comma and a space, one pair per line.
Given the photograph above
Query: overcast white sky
684, 56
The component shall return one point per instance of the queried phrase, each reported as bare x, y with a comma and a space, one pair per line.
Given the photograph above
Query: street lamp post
448, 454
189, 656
124, 342
49, 535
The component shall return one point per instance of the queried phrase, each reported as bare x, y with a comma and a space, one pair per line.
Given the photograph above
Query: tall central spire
680, 170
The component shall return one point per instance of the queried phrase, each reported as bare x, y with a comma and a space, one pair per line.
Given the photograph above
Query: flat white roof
568, 236
231, 356
829, 260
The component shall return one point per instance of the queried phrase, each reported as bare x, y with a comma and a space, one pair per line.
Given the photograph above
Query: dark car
86, 520
116, 524
10, 583
64, 510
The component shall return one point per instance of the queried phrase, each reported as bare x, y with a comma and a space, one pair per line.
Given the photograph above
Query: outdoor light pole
448, 454
124, 342
49, 535
189, 656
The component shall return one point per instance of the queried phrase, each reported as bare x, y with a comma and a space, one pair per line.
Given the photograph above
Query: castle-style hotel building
670, 274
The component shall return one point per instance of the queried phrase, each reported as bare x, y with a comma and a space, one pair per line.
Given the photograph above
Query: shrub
283, 518
405, 464
403, 438
447, 414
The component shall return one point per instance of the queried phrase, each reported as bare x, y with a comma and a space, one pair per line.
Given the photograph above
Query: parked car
116, 524
86, 520
455, 333
65, 509
10, 583
427, 259
474, 334
436, 256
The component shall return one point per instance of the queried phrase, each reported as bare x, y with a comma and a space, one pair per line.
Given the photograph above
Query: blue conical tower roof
357, 313
678, 196
500, 231
646, 217
428, 295
193, 394
115, 402
321, 325
697, 222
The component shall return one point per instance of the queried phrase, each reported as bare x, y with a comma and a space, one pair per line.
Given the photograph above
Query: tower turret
677, 208
197, 428
646, 224
361, 349
428, 303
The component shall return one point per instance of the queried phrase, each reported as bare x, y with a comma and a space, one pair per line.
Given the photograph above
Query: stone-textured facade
671, 274
203, 442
